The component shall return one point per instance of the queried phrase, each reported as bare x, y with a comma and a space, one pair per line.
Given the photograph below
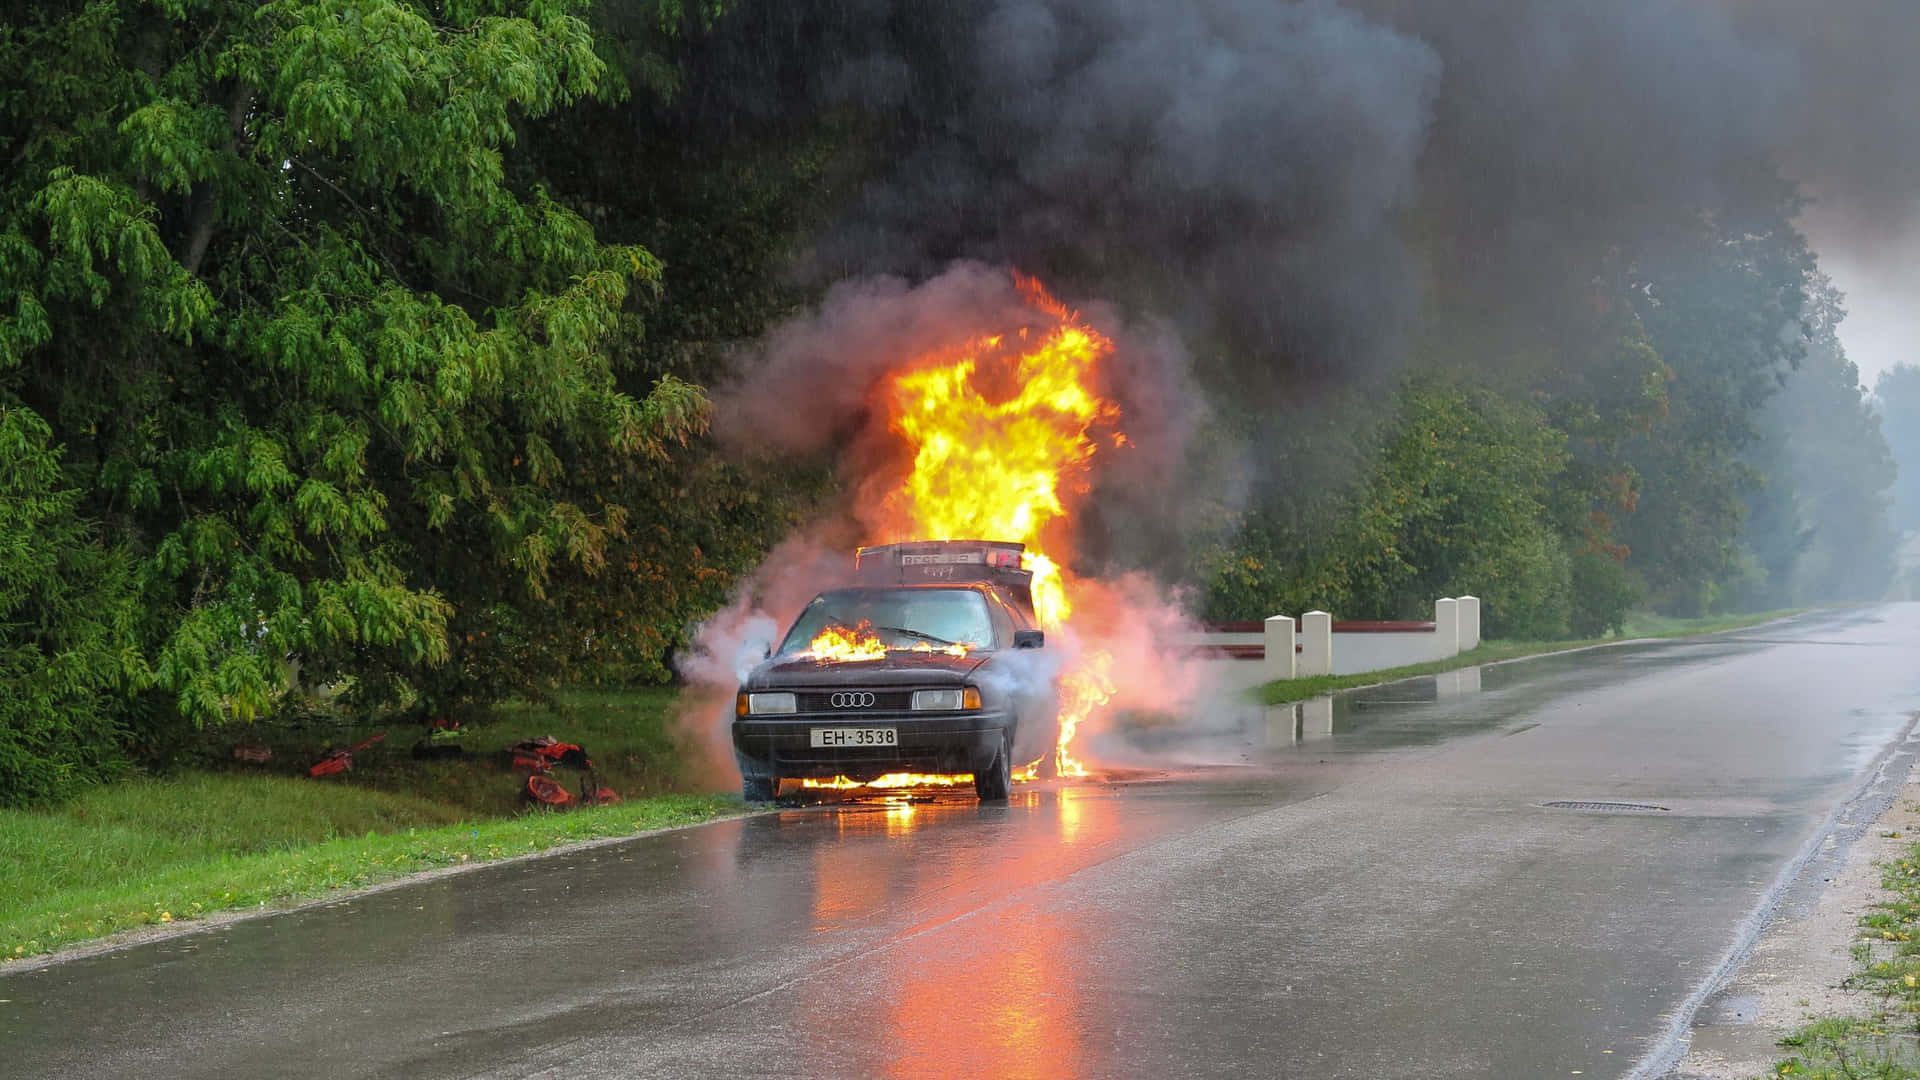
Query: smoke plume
808, 387
1274, 192
1283, 181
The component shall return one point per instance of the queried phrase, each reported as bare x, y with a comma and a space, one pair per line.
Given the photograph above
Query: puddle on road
1407, 714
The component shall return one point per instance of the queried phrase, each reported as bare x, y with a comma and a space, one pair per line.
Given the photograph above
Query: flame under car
928, 665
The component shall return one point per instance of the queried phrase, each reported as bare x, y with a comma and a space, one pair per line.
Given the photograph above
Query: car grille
855, 701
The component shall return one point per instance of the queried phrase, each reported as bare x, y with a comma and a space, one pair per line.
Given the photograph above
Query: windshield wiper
921, 634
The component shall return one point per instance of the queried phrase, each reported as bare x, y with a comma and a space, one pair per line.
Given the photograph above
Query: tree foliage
1458, 501
67, 622
1818, 521
1711, 448
323, 356
1724, 301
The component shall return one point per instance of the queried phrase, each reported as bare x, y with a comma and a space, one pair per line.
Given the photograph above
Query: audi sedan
944, 677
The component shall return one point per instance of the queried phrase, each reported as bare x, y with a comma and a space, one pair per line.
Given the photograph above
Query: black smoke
1303, 191
1236, 166
1281, 179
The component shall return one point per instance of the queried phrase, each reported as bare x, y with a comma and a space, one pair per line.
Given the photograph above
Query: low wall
1359, 647
1228, 675
1245, 654
1259, 652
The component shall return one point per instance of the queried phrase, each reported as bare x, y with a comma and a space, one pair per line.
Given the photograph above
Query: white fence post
1469, 622
1316, 644
1283, 724
1279, 642
1446, 628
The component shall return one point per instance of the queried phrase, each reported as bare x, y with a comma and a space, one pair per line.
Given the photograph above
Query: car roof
977, 586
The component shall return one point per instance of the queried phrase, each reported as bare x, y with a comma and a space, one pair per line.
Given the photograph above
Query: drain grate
1607, 807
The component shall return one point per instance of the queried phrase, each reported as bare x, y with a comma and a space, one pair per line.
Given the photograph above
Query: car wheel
995, 782
758, 788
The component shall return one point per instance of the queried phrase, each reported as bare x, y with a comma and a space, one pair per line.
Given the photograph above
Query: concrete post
1446, 628
1469, 622
1280, 647
1283, 725
1316, 644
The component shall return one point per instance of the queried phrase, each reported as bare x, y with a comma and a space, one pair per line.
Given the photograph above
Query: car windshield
901, 618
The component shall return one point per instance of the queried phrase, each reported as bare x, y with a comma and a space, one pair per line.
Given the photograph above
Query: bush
1526, 590
1602, 593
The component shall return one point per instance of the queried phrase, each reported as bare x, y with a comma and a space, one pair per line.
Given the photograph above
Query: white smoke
728, 645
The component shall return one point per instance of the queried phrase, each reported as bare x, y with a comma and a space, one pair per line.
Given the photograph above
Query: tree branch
373, 234
200, 232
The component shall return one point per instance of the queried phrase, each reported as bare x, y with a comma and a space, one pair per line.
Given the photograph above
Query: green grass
1646, 624
224, 837
1881, 1045
1846, 1049
1638, 625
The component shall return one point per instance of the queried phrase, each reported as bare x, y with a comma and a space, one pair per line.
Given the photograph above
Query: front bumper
951, 743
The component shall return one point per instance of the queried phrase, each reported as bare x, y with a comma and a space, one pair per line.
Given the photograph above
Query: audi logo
861, 700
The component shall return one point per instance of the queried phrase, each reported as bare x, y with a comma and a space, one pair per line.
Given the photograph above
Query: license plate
855, 736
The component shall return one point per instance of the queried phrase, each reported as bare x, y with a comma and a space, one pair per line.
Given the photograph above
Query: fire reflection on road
1010, 1007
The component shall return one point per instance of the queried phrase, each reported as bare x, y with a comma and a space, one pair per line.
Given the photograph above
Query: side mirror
1029, 639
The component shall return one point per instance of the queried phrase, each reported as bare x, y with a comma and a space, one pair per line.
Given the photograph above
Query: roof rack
937, 562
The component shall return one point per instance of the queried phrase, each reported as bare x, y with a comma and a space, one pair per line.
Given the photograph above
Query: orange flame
1004, 431
1082, 690
846, 645
893, 780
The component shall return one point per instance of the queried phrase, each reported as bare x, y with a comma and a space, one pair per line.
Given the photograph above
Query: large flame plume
972, 406
1004, 433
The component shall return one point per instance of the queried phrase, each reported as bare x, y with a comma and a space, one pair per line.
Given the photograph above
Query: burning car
927, 664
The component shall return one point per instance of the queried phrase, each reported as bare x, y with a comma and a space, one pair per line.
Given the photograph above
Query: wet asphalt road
1370, 890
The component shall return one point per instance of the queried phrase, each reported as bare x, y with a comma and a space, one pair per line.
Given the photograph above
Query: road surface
1371, 888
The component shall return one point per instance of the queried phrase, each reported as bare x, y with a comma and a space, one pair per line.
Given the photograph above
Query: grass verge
1638, 626
223, 837
1885, 1043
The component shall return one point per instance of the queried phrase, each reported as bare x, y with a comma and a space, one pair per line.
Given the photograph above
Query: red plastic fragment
547, 792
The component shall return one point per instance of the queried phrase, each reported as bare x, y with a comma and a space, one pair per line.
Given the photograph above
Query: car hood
900, 668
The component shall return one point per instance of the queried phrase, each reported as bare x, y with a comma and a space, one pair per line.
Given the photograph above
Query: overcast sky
1881, 277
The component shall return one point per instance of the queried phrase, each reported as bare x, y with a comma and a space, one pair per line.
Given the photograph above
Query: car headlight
954, 700
765, 704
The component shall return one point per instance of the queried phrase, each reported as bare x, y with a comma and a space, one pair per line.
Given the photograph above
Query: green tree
1723, 299
1457, 501
1459, 504
1818, 524
324, 354
67, 620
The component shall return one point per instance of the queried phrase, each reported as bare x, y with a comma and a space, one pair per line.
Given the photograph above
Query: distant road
1389, 899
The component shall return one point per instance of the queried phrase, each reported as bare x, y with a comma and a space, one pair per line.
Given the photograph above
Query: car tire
995, 783
758, 788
